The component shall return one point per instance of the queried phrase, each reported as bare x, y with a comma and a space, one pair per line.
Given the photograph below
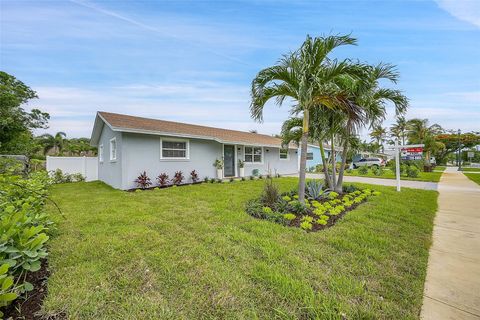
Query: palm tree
52, 142
368, 102
306, 76
379, 135
419, 131
399, 129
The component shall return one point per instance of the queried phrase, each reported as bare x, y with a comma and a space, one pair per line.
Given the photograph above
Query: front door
229, 160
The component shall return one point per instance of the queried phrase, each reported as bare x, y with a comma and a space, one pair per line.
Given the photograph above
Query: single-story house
314, 156
129, 145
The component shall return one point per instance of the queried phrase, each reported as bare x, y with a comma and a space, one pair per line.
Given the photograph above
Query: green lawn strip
192, 252
475, 177
471, 169
440, 168
389, 174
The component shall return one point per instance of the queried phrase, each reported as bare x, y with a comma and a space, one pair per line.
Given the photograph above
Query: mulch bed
163, 187
29, 307
331, 221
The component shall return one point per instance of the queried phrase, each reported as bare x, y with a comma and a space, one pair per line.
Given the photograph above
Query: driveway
452, 287
383, 182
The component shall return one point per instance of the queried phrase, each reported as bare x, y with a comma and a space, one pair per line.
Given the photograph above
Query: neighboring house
314, 157
129, 145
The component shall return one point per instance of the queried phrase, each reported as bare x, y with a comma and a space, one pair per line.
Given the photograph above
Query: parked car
369, 162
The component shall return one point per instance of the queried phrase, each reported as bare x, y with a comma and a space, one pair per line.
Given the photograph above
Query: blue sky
193, 61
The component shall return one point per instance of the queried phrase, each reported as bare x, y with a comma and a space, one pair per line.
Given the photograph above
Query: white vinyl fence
87, 166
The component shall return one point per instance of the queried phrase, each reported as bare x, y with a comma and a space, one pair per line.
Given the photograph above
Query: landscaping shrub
363, 170
413, 171
143, 181
23, 231
252, 177
162, 179
178, 178
378, 171
194, 176
59, 177
205, 179
231, 179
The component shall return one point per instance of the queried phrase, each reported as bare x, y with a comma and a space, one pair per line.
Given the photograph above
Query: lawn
389, 174
471, 169
192, 252
440, 168
475, 177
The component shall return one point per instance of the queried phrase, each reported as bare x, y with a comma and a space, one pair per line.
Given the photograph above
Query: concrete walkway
383, 182
452, 287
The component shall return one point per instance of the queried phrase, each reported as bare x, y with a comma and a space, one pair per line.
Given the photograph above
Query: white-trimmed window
309, 155
174, 149
100, 153
253, 154
113, 149
283, 153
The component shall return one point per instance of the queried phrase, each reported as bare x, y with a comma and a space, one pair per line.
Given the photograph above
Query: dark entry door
229, 160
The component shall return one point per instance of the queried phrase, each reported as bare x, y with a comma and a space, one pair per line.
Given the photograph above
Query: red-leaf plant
143, 181
178, 178
194, 176
162, 179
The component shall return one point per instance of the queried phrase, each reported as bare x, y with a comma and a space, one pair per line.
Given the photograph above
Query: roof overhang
100, 122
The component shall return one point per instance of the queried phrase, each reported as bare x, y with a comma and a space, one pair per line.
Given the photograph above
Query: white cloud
466, 10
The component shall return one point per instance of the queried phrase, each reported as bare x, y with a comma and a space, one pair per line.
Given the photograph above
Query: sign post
409, 152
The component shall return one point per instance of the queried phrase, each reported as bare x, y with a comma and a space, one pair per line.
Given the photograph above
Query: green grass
475, 177
193, 253
389, 174
471, 169
440, 168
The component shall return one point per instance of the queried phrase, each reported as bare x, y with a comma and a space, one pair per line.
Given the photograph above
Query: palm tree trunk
325, 164
334, 169
339, 185
303, 157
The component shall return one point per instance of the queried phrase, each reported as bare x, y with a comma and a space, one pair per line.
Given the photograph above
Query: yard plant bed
320, 211
29, 307
193, 253
389, 174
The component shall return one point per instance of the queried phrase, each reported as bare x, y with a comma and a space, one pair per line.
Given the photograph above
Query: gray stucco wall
139, 152
110, 171
142, 152
272, 163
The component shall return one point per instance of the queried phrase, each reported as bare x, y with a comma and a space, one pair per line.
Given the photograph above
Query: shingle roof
121, 122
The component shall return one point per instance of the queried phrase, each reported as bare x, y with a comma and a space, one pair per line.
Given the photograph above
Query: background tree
420, 132
16, 124
399, 129
54, 142
379, 135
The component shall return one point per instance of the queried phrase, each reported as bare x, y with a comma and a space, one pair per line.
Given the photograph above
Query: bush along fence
24, 229
322, 209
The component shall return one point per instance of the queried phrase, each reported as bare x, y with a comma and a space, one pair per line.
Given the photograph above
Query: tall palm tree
399, 129
379, 135
368, 102
419, 131
308, 78
50, 142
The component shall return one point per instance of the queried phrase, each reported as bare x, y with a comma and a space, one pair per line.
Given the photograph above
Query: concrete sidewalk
382, 182
452, 287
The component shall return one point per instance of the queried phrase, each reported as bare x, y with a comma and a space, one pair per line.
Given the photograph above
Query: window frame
187, 149
280, 153
100, 153
306, 156
112, 156
253, 155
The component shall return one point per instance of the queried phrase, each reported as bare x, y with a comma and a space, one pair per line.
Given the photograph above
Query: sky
193, 61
